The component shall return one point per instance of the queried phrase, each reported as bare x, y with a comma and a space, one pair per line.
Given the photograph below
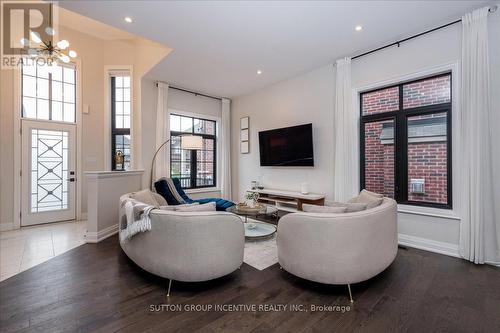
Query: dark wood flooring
96, 288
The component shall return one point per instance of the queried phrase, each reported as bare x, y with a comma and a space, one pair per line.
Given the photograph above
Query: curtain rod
193, 92
397, 43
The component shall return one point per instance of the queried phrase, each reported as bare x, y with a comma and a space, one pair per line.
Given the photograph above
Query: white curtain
479, 241
225, 139
346, 173
162, 165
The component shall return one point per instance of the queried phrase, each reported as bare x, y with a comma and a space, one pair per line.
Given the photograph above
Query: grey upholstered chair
187, 246
339, 248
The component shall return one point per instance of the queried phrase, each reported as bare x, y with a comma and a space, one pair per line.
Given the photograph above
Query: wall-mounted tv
289, 146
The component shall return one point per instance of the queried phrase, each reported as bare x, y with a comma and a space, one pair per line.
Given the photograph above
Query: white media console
288, 200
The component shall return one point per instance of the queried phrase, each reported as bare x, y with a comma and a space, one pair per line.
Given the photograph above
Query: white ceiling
219, 45
91, 27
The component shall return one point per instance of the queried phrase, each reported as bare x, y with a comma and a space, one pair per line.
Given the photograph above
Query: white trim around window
109, 71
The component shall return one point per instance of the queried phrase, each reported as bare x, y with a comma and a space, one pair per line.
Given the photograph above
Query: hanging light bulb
64, 58
62, 44
35, 37
72, 54
50, 31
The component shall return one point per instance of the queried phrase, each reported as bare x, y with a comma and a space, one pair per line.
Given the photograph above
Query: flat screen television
289, 146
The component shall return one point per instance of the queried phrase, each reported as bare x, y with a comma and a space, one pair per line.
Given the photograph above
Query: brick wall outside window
427, 92
428, 161
379, 101
379, 161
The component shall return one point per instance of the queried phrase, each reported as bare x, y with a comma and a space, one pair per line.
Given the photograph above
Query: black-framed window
120, 119
49, 92
405, 138
194, 168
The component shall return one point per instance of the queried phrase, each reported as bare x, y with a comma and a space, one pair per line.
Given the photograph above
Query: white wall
105, 190
304, 99
309, 98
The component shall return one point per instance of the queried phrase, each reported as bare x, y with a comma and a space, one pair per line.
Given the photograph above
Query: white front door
48, 172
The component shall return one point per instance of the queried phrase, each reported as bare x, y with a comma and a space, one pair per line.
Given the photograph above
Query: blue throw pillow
162, 189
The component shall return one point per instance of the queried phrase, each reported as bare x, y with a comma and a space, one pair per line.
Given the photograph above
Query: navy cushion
162, 189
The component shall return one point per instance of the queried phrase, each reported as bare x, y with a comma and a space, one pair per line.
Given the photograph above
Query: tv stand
289, 200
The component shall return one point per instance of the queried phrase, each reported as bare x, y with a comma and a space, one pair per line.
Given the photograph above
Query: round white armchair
187, 246
339, 248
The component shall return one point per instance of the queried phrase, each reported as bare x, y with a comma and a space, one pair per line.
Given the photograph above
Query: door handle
71, 179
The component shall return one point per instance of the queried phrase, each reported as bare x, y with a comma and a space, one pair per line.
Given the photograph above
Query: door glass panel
49, 170
379, 157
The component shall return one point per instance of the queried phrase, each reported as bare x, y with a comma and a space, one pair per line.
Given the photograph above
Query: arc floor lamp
188, 141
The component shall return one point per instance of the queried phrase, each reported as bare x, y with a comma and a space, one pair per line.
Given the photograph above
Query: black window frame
194, 156
115, 131
400, 120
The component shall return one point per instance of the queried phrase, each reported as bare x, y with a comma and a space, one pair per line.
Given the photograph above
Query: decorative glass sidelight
49, 170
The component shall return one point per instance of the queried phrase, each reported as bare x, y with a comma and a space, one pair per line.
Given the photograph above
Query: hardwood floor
95, 287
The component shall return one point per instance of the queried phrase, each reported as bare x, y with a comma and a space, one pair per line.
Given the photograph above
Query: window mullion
401, 152
401, 158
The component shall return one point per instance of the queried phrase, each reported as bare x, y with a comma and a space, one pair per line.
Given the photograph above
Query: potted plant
251, 199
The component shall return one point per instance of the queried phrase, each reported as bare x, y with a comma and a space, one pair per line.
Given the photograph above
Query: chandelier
47, 50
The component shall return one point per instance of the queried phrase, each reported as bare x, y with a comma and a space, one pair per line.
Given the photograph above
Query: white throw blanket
138, 219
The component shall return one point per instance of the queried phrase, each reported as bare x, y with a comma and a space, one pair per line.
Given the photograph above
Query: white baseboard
448, 249
7, 226
96, 237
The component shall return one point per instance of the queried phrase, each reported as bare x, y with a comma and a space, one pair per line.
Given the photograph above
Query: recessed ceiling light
358, 28
259, 72
128, 19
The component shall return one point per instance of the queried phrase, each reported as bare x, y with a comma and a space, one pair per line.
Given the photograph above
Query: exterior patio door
48, 172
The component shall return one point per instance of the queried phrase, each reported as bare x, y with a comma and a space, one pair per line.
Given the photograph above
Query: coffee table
256, 230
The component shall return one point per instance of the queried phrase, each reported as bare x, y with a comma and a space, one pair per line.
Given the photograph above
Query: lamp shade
191, 142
